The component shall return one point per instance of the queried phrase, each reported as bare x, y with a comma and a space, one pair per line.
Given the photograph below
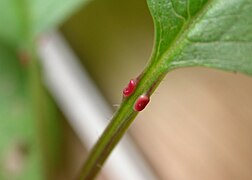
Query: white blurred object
86, 109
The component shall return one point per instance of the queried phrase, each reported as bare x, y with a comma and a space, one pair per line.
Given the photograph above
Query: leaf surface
21, 22
18, 136
49, 13
210, 33
22, 19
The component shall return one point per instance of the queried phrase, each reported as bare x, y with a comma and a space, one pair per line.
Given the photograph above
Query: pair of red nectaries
142, 100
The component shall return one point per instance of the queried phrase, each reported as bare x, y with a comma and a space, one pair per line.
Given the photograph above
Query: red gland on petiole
141, 102
130, 88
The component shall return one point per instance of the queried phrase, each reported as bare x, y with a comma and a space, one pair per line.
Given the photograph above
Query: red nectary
130, 88
141, 102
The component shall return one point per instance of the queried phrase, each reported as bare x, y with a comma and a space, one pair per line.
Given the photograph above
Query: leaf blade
48, 14
23, 20
218, 35
17, 130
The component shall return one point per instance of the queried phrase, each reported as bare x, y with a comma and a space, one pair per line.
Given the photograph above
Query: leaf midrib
179, 40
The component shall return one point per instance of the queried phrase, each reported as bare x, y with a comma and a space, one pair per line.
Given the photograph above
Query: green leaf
22, 20
12, 19
210, 33
23, 102
48, 13
20, 156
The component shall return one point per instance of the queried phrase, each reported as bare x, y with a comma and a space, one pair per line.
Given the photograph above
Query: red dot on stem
141, 102
130, 88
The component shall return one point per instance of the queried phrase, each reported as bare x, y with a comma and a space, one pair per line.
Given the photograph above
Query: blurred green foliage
28, 118
17, 126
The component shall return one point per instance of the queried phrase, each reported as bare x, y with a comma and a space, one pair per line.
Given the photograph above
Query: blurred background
197, 126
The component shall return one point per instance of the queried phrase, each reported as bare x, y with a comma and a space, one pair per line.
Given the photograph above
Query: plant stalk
149, 80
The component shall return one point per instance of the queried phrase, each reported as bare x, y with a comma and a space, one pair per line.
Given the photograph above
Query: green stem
104, 146
120, 122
